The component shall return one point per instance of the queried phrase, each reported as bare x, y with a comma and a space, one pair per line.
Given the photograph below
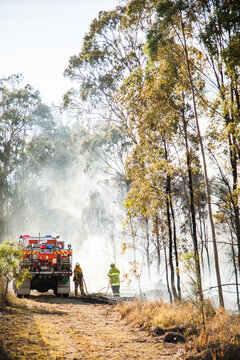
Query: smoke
82, 207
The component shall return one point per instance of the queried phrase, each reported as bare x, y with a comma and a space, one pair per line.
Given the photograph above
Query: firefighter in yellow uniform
114, 275
78, 279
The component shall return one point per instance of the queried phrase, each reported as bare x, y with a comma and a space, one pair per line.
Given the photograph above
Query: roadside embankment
215, 337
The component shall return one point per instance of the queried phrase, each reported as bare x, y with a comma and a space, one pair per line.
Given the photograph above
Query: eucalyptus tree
18, 104
168, 35
38, 148
109, 53
146, 99
218, 23
173, 25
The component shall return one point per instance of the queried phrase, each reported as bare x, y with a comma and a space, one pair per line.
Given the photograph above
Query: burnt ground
45, 327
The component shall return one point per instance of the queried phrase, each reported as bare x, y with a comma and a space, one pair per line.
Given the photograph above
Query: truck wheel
65, 295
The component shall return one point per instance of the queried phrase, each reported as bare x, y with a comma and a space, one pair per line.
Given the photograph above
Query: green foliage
21, 115
17, 107
109, 53
10, 256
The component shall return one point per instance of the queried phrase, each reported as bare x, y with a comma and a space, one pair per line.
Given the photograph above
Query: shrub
10, 255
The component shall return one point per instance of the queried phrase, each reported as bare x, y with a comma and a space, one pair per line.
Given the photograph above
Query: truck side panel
63, 288
23, 289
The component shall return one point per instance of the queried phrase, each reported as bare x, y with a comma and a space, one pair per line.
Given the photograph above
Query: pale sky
37, 38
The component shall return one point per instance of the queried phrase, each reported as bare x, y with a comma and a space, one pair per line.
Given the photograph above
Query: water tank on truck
49, 263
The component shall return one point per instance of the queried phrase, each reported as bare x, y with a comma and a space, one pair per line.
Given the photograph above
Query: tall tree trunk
236, 274
204, 240
176, 252
235, 202
157, 243
168, 194
208, 193
133, 235
233, 149
2, 213
167, 277
206, 246
192, 208
147, 249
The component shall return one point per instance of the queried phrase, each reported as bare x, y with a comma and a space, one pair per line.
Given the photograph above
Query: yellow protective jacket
78, 274
114, 275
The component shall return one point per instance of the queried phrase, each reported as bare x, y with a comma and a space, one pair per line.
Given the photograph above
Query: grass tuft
220, 339
166, 315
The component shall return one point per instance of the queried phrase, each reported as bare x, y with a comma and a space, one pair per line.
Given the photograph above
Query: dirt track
46, 327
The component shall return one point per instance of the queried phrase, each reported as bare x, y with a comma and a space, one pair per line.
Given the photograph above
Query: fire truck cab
49, 263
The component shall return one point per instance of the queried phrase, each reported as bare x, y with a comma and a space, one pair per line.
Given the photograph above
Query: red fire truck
49, 263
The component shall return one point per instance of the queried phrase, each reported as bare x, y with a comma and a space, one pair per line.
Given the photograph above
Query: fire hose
107, 288
99, 292
85, 285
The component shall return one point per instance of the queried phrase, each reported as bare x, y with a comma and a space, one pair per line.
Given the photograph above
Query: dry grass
158, 313
222, 334
220, 339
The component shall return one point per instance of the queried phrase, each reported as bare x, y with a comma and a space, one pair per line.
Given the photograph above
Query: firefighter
114, 275
78, 279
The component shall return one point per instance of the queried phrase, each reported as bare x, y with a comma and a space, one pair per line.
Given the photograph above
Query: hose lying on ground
99, 292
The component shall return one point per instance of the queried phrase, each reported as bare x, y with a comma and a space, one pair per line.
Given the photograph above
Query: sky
38, 37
